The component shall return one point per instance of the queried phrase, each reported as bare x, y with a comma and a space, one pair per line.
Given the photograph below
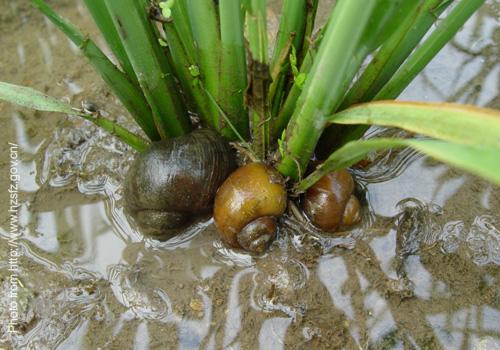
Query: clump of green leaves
212, 59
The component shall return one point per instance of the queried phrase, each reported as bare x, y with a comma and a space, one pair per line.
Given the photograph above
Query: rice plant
313, 90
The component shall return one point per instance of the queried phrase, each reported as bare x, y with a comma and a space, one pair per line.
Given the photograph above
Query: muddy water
422, 272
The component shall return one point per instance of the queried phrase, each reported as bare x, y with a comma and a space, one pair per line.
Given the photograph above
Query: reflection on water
421, 272
468, 69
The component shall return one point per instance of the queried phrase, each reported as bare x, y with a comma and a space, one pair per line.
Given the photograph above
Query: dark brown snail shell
175, 180
330, 204
247, 206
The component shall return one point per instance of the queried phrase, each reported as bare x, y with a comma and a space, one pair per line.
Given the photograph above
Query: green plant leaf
289, 103
482, 160
324, 87
187, 72
102, 19
129, 93
416, 19
257, 29
34, 99
292, 23
205, 31
457, 123
233, 67
430, 46
155, 75
131, 139
259, 75
386, 18
180, 20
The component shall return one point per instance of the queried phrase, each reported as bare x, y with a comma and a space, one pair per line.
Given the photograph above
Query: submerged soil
421, 272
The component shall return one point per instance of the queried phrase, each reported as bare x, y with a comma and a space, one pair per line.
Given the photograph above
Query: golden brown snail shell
176, 179
352, 212
247, 205
330, 204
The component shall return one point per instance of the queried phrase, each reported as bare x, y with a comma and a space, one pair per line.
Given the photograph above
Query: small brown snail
175, 180
330, 203
247, 206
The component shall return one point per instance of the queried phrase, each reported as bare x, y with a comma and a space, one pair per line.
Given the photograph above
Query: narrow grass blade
409, 15
279, 74
31, 98
187, 71
292, 24
280, 122
418, 20
180, 17
390, 22
150, 66
233, 76
257, 29
322, 91
34, 99
259, 75
453, 122
205, 30
294, 38
102, 18
128, 93
445, 30
131, 139
312, 9
479, 160
387, 17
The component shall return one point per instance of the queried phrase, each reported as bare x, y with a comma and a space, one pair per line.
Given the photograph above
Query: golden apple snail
175, 180
330, 203
247, 206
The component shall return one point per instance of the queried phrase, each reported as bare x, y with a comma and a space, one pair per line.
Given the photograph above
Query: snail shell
330, 204
176, 179
247, 206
